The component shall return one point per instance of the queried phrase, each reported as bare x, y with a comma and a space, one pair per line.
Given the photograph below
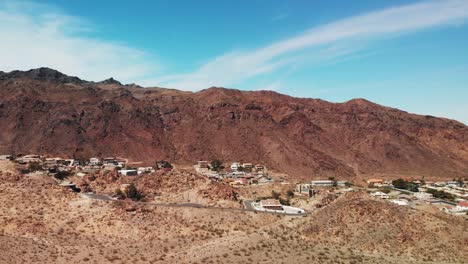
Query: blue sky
411, 55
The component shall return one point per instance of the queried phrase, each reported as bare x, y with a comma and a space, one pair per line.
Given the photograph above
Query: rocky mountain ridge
47, 112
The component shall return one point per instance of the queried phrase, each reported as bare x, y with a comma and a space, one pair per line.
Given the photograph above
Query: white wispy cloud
35, 35
314, 44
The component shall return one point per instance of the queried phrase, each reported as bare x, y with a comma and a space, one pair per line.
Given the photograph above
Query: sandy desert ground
41, 222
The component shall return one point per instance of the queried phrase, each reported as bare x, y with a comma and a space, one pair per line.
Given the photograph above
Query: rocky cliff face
306, 138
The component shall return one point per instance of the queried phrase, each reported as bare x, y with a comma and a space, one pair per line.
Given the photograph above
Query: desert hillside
42, 222
47, 112
371, 224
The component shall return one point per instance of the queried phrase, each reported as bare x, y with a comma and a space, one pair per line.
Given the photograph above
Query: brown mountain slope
57, 114
373, 225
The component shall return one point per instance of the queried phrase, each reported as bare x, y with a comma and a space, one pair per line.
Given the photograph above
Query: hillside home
439, 184
462, 206
341, 183
380, 195
322, 183
129, 172
375, 181
5, 157
109, 160
29, 158
235, 166
145, 169
271, 204
305, 189
400, 202
94, 161
202, 164
247, 166
259, 167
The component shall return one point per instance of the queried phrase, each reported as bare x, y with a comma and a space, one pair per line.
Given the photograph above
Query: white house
109, 160
271, 204
94, 161
145, 169
461, 207
380, 195
235, 166
5, 157
341, 183
322, 183
400, 201
129, 172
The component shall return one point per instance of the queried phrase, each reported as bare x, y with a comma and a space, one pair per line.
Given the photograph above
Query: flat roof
270, 202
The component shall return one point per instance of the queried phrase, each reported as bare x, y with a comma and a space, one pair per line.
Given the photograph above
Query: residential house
109, 160
305, 189
247, 166
94, 161
145, 169
129, 172
380, 195
235, 166
259, 168
341, 183
400, 202
30, 158
461, 207
271, 204
203, 164
5, 157
322, 183
375, 181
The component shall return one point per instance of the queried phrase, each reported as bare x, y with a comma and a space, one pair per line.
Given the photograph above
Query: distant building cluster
82, 167
448, 196
237, 174
310, 189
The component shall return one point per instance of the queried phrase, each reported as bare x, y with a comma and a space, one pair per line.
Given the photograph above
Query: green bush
61, 175
284, 201
216, 165
34, 166
405, 185
441, 194
119, 194
132, 192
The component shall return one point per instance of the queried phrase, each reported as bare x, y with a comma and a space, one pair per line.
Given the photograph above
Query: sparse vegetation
130, 192
216, 165
163, 164
34, 166
275, 195
441, 194
405, 185
61, 175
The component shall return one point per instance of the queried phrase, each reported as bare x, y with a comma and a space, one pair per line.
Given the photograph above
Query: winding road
247, 204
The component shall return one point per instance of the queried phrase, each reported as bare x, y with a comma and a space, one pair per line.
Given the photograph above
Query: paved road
97, 197
247, 204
